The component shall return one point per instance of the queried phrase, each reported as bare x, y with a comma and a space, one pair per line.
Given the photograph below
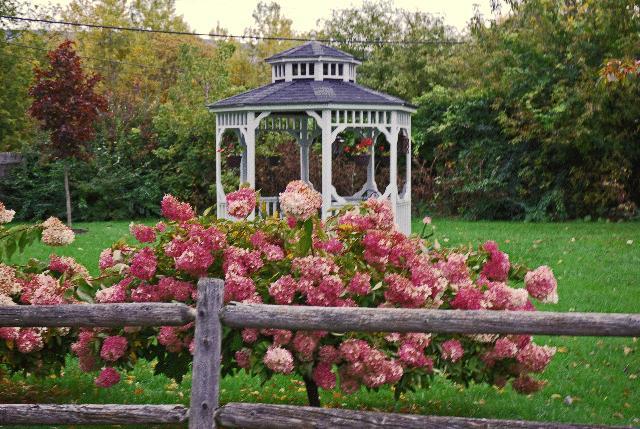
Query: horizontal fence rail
97, 315
108, 414
349, 319
263, 416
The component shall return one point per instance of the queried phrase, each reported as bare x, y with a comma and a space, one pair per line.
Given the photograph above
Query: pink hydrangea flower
314, 267
504, 349
241, 203
243, 358
168, 337
404, 292
426, 220
300, 201
143, 233
113, 348
173, 289
29, 340
323, 376
238, 288
452, 350
283, 289
146, 293
333, 245
43, 289
55, 233
534, 357
305, 343
194, 260
112, 295
144, 264
175, 210
278, 360
6, 215
9, 284
353, 350
542, 285
497, 267
250, 335
413, 356
455, 268
360, 284
106, 259
328, 354
468, 298
107, 378
9, 333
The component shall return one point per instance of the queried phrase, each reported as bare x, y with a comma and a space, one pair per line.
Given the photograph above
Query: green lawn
598, 269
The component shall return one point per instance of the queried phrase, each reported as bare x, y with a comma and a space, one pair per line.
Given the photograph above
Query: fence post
205, 384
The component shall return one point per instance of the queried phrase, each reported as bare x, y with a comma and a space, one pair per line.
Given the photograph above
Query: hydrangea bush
36, 283
356, 258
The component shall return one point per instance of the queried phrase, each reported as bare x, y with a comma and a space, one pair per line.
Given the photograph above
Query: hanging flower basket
233, 161
362, 160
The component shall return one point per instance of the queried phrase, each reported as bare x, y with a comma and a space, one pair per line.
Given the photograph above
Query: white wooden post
371, 168
219, 190
250, 141
326, 163
393, 168
243, 162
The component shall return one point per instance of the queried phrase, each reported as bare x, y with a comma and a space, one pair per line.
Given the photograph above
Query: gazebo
314, 97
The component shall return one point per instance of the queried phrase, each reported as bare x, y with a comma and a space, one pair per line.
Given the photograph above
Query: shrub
356, 258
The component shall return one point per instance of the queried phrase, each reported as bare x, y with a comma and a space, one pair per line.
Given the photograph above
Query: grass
598, 269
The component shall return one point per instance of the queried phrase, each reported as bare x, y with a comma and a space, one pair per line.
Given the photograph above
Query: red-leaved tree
66, 103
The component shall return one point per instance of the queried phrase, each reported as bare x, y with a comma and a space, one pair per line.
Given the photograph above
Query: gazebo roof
311, 50
302, 92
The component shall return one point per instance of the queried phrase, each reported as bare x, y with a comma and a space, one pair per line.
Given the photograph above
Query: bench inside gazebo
314, 97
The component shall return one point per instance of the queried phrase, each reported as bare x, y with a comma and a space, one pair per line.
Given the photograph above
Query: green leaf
304, 245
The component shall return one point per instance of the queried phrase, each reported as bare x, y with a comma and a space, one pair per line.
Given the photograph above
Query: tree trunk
67, 194
312, 392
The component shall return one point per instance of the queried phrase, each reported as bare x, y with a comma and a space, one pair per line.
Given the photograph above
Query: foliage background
513, 123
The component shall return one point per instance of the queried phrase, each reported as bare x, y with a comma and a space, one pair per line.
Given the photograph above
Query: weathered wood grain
58, 414
100, 315
438, 321
208, 353
263, 416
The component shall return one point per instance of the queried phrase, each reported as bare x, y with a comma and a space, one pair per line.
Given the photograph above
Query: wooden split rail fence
211, 313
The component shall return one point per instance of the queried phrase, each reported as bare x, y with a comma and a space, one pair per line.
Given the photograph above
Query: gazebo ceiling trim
309, 92
313, 50
302, 108
312, 59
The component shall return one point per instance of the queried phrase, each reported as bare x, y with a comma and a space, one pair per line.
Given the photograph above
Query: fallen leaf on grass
627, 350
562, 349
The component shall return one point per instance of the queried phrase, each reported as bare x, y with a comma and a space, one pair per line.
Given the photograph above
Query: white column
219, 190
408, 178
326, 163
304, 140
243, 162
393, 168
371, 169
250, 141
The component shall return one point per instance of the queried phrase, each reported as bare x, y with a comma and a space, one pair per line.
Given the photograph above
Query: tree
68, 106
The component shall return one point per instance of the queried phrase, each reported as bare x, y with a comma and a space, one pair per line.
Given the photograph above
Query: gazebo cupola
313, 96
313, 61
